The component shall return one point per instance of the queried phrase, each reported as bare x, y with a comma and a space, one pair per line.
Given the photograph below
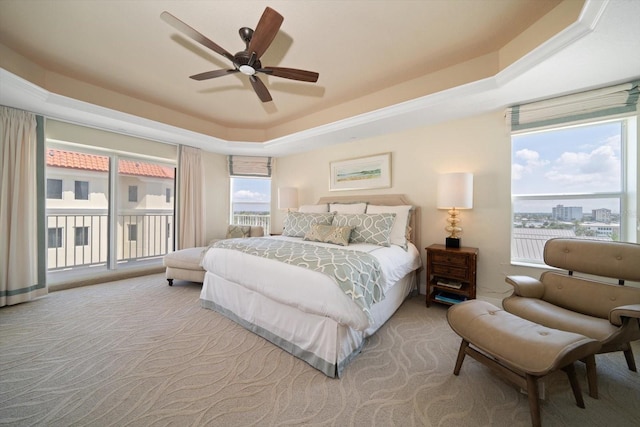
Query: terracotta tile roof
92, 162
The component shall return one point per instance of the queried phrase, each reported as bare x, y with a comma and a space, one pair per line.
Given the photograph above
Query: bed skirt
320, 341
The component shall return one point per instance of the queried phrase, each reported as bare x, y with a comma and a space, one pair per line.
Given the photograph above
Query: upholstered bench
184, 264
520, 350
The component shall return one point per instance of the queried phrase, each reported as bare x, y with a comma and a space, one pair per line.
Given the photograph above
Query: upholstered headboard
384, 200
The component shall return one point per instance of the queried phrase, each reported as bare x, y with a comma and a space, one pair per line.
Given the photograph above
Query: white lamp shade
455, 190
287, 198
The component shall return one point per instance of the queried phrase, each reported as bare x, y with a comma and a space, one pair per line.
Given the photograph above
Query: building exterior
601, 215
566, 213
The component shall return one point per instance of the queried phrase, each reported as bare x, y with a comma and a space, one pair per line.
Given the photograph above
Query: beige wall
480, 145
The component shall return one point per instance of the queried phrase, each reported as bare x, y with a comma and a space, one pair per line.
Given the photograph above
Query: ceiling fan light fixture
247, 69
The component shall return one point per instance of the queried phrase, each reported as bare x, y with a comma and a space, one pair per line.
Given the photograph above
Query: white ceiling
372, 57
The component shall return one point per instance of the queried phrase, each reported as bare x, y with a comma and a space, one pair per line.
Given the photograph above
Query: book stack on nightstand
451, 274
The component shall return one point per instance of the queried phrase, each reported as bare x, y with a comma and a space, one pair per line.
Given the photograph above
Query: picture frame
361, 173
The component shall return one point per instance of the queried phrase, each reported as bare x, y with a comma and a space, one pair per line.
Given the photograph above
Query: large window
106, 229
570, 181
251, 201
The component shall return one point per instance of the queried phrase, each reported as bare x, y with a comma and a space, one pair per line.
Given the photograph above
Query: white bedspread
308, 290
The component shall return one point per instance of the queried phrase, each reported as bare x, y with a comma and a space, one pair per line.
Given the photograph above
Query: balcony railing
75, 240
255, 220
82, 240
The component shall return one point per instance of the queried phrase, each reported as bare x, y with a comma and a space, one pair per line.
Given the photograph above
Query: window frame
84, 235
81, 193
133, 190
628, 163
59, 231
51, 181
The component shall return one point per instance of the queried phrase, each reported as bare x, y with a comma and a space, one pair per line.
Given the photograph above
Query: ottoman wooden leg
592, 376
575, 386
170, 282
534, 403
461, 353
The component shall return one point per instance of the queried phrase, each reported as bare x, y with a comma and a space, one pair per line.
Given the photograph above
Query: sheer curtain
18, 208
191, 199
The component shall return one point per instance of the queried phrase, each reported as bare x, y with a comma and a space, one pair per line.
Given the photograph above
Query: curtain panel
250, 166
609, 101
18, 208
191, 232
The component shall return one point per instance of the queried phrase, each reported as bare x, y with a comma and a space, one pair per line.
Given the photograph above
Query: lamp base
452, 242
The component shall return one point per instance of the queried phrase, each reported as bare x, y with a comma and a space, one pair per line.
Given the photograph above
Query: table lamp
455, 191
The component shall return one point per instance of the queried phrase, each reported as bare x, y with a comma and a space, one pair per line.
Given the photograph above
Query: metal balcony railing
255, 220
81, 240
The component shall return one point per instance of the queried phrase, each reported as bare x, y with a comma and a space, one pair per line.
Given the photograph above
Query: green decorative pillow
367, 228
329, 234
298, 224
238, 231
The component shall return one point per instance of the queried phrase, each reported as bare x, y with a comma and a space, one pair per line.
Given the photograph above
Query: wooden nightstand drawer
451, 274
449, 258
450, 271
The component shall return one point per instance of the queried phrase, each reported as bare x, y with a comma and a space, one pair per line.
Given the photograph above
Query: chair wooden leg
628, 355
592, 375
461, 353
575, 385
534, 402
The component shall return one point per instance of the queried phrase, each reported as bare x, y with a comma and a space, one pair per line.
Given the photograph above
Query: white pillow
314, 208
348, 208
400, 229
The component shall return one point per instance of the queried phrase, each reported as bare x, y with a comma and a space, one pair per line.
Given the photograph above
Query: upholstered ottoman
184, 265
520, 350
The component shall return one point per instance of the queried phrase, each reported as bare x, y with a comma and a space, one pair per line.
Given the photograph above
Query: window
133, 193
54, 189
569, 182
167, 195
133, 232
82, 190
82, 236
251, 201
54, 237
98, 235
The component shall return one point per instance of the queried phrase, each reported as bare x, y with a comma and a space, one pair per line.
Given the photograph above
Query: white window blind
597, 103
250, 166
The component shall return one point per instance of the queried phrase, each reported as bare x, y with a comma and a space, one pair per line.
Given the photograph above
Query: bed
322, 311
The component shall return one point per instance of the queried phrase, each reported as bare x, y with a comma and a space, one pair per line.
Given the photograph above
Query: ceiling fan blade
260, 88
195, 35
212, 74
291, 73
265, 32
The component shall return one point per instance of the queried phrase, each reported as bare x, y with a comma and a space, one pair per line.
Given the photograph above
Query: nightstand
451, 274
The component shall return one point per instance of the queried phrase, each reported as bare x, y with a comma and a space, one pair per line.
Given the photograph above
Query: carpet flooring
140, 353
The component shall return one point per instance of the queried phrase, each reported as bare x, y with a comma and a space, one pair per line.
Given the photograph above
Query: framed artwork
362, 173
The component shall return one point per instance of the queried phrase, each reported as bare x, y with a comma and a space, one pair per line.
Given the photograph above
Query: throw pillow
238, 231
329, 234
367, 228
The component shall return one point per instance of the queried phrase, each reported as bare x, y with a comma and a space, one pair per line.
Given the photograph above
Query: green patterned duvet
357, 273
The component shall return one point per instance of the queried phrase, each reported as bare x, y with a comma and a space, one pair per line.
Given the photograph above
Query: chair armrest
526, 286
616, 315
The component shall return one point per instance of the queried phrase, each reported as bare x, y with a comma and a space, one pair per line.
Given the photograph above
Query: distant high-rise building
566, 213
601, 215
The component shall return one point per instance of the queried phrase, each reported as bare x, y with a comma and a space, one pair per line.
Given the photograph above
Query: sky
251, 194
585, 159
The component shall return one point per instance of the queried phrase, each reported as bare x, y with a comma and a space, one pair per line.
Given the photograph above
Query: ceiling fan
247, 61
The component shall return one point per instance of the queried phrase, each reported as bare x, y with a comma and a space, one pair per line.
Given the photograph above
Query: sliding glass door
106, 210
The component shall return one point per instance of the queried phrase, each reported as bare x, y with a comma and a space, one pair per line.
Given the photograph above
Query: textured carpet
138, 352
